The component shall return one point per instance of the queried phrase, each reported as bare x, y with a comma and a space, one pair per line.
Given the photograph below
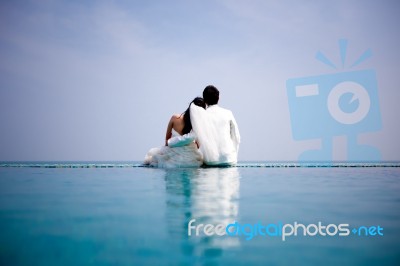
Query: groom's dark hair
211, 95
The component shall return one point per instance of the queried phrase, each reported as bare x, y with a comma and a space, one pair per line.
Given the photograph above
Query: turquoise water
124, 214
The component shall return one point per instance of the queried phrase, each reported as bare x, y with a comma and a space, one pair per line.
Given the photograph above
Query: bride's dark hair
186, 115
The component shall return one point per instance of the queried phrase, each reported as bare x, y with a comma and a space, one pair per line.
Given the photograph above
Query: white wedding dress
178, 156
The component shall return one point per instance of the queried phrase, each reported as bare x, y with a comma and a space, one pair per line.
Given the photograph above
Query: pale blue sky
99, 80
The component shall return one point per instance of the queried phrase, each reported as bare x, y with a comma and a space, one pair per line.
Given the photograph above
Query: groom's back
224, 138
220, 117
227, 134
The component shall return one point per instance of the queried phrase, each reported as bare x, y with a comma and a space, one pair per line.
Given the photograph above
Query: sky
99, 80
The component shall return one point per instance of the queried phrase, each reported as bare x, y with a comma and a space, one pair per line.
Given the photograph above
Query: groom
227, 137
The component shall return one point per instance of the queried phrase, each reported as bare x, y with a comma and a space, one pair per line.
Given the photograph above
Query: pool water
131, 215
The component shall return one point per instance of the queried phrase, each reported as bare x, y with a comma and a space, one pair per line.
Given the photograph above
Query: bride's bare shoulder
176, 120
176, 117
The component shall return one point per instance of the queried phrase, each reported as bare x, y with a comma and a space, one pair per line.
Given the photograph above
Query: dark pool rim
266, 164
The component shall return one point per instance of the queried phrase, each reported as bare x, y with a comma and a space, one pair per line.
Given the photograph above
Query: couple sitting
204, 133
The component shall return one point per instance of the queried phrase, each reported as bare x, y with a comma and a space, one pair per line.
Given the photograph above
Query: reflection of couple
199, 135
210, 196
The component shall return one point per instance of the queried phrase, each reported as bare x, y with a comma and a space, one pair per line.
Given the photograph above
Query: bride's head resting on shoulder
199, 102
186, 115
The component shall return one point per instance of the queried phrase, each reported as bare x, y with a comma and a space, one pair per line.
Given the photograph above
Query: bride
181, 149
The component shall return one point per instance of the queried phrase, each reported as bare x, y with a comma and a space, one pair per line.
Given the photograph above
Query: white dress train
174, 157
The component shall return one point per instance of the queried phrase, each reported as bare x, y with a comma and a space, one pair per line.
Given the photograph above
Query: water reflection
209, 195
